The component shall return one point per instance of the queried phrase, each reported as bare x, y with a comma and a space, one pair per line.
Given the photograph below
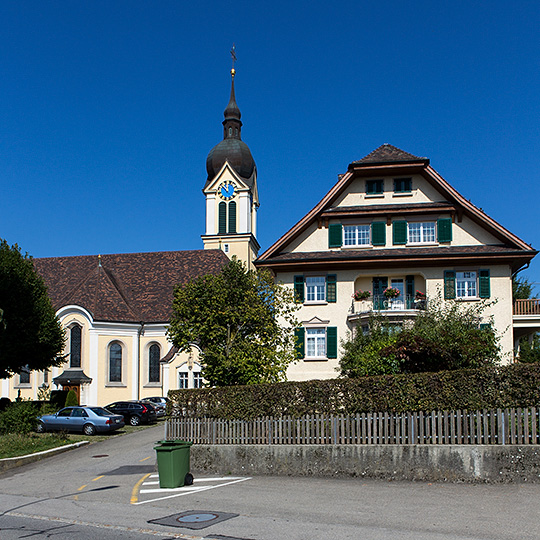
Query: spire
232, 125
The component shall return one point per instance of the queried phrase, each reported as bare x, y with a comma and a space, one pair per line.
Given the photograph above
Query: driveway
111, 486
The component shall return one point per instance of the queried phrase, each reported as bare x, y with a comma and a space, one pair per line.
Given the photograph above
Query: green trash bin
173, 463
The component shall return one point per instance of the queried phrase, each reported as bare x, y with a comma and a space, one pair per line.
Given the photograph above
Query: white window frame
356, 235
315, 343
424, 232
467, 284
315, 289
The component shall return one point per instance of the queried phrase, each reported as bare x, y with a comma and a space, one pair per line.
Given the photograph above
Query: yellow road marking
82, 487
144, 459
98, 477
135, 490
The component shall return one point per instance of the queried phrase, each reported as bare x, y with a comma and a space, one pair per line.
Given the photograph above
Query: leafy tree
31, 336
446, 336
529, 351
242, 321
522, 289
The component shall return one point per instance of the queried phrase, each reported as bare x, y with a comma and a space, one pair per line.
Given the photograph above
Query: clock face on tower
226, 190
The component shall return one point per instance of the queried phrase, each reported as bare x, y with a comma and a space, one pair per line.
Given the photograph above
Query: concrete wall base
447, 463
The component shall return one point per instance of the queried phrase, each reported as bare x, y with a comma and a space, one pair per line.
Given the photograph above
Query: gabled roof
390, 160
386, 153
129, 287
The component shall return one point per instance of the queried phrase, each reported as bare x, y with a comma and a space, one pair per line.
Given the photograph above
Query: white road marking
188, 490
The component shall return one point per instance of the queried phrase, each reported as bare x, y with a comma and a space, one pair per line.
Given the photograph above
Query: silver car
89, 420
159, 403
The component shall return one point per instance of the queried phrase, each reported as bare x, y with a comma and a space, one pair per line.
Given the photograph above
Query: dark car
89, 420
160, 404
134, 412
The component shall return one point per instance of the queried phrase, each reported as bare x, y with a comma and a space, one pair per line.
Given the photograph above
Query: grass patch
16, 444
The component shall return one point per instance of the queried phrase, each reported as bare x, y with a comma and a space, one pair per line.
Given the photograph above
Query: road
109, 490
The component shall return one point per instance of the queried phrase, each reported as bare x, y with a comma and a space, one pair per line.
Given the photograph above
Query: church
391, 224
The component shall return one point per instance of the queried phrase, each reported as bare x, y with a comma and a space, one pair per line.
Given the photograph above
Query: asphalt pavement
110, 490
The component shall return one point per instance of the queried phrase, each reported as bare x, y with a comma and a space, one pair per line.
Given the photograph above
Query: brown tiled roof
400, 256
387, 153
129, 287
392, 208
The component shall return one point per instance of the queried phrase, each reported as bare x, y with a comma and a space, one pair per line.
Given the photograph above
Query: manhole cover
193, 519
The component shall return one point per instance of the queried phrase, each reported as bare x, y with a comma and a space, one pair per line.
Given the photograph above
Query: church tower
231, 191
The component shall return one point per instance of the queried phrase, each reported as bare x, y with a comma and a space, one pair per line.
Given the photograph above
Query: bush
71, 399
19, 417
516, 385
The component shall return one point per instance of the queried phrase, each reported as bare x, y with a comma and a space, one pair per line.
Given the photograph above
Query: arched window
232, 217
222, 217
154, 354
115, 363
75, 346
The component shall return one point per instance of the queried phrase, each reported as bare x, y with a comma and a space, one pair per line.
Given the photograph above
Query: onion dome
231, 148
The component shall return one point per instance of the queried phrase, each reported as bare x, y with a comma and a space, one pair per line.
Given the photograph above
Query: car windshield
100, 411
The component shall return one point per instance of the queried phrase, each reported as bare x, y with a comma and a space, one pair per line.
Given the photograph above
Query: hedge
516, 385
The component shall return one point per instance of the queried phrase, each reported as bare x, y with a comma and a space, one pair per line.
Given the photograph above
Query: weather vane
233, 56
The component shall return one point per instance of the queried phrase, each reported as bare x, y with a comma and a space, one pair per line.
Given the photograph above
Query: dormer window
402, 185
374, 187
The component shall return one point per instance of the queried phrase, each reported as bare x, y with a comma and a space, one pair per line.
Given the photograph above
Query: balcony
395, 310
526, 318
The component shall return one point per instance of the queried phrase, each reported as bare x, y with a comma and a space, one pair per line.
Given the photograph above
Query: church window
154, 354
222, 218
115, 363
24, 376
232, 217
75, 346
230, 131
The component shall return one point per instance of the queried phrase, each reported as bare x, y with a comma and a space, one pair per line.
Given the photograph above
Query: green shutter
409, 292
232, 217
449, 284
299, 289
379, 284
299, 334
399, 232
378, 233
484, 288
485, 326
335, 235
444, 230
331, 342
331, 288
222, 215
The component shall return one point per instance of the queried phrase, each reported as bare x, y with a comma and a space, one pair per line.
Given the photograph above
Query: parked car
160, 404
134, 412
89, 420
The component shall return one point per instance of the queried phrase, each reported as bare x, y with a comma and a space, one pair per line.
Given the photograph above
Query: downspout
140, 332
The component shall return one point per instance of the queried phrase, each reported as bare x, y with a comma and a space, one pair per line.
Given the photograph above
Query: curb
18, 461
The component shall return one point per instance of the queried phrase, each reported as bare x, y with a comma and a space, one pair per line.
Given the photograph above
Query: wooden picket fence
501, 426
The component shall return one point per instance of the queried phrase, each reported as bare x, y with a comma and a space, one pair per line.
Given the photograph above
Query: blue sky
108, 110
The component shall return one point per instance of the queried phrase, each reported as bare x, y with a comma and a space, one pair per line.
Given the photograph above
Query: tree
529, 346
31, 336
446, 336
242, 321
522, 289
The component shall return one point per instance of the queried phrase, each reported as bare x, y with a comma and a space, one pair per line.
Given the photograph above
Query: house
392, 221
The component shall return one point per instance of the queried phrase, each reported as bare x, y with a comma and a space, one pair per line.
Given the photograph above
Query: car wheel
41, 427
188, 479
134, 420
89, 429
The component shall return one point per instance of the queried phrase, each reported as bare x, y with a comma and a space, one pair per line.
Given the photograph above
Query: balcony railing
527, 307
401, 303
